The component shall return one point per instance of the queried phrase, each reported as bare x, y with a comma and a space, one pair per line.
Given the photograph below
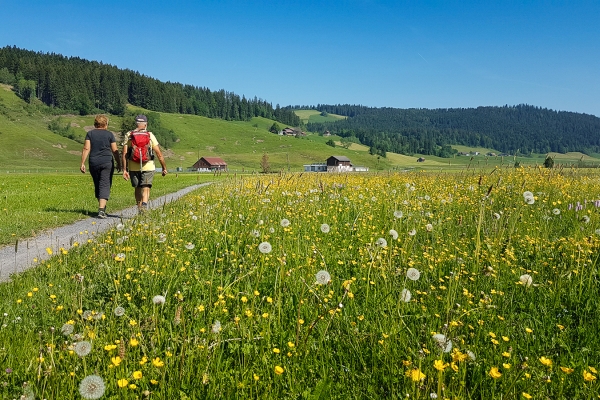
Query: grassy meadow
312, 286
30, 203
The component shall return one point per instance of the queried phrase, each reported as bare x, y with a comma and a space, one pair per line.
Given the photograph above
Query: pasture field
314, 286
307, 116
30, 203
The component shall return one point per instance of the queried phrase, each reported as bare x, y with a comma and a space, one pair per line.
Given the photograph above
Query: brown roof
214, 160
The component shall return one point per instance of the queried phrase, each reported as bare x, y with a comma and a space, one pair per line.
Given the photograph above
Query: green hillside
29, 145
315, 116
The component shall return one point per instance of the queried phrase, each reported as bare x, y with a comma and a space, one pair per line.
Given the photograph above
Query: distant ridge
509, 129
81, 86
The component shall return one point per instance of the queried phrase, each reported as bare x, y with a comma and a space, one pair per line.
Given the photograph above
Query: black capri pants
102, 176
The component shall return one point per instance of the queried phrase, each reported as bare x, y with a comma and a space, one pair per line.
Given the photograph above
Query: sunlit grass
325, 286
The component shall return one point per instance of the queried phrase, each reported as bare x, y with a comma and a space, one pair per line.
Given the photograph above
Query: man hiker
101, 146
138, 158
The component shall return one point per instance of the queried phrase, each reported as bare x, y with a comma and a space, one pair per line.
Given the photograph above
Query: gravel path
14, 259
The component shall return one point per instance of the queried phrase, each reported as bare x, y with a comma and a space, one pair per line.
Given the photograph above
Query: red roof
214, 160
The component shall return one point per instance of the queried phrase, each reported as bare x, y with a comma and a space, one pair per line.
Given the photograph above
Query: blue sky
423, 54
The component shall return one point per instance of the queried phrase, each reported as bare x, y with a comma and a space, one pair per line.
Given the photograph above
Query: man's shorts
141, 178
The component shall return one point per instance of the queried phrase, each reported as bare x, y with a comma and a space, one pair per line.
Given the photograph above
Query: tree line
519, 129
86, 87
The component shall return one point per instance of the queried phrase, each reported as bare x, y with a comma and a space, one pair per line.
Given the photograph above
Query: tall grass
324, 286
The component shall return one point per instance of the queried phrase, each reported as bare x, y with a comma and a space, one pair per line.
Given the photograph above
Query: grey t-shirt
100, 152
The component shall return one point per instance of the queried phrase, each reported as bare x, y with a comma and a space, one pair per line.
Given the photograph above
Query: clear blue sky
424, 54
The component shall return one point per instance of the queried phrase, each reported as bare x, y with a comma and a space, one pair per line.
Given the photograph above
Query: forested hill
75, 84
508, 129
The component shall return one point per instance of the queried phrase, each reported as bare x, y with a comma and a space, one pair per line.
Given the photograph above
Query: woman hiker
101, 146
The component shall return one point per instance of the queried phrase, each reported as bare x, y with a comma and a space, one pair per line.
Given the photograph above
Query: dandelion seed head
585, 219
265, 247
255, 233
159, 300
120, 227
161, 238
82, 348
119, 311
405, 295
92, 387
398, 214
556, 211
526, 280
413, 274
323, 277
394, 234
67, 329
216, 327
285, 222
429, 227
381, 242
412, 232
190, 246
325, 228
442, 342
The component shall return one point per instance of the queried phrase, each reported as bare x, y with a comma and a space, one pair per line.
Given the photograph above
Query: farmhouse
339, 164
334, 164
420, 159
210, 164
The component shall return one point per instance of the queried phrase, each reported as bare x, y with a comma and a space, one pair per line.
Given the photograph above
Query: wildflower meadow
314, 286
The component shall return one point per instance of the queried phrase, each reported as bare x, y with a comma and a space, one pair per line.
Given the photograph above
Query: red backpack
141, 146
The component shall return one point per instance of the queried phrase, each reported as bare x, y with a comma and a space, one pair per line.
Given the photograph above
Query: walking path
18, 258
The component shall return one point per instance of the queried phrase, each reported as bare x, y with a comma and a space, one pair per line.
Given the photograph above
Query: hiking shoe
102, 214
143, 208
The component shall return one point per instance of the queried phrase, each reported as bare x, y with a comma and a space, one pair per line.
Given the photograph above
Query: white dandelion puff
120, 226
82, 348
529, 200
323, 277
412, 232
527, 194
216, 327
271, 230
556, 211
255, 233
381, 242
413, 274
585, 219
265, 247
471, 355
526, 280
159, 300
496, 216
394, 234
285, 222
119, 311
398, 214
190, 246
443, 342
92, 387
161, 238
67, 329
194, 217
405, 295
325, 228
429, 227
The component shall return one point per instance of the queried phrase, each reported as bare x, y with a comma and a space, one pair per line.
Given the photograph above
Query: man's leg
139, 196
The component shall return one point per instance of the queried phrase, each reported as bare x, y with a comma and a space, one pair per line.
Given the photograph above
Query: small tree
274, 128
264, 164
549, 162
330, 142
